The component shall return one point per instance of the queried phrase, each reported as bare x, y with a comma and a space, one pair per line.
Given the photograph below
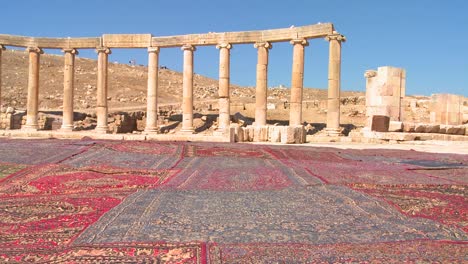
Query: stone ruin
386, 104
262, 40
385, 89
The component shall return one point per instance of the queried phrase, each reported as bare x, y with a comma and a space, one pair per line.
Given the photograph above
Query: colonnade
263, 48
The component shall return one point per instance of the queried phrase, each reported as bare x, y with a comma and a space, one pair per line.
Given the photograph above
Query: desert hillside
127, 85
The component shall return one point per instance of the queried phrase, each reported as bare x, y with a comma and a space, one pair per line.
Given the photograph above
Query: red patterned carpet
69, 201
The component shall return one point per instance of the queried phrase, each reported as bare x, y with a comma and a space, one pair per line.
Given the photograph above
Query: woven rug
97, 201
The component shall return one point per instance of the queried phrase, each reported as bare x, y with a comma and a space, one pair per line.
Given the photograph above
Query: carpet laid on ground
88, 201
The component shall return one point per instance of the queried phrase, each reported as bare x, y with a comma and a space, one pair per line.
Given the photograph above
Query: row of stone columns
334, 76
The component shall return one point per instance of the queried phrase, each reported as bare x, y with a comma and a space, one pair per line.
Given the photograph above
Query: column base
66, 128
187, 131
152, 130
30, 127
333, 132
102, 129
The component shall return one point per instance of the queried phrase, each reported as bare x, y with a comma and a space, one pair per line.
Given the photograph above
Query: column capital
265, 44
2, 47
224, 46
105, 50
153, 49
370, 73
70, 50
188, 47
35, 49
303, 42
335, 36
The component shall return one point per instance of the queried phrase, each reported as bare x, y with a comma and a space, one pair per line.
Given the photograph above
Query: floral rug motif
99, 201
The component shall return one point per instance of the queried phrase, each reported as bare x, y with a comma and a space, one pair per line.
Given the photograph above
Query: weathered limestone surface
152, 97
384, 90
33, 89
447, 109
224, 82
275, 134
101, 107
187, 90
334, 83
126, 40
262, 83
2, 48
68, 75
297, 82
141, 40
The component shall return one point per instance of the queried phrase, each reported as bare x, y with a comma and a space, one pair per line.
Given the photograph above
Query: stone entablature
262, 40
147, 40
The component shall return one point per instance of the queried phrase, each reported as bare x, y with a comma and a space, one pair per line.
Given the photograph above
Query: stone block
232, 134
395, 126
275, 134
420, 128
431, 128
443, 129
260, 133
380, 123
299, 135
456, 130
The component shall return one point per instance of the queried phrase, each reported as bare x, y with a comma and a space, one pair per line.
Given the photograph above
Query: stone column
297, 82
101, 106
262, 83
2, 48
334, 81
152, 97
33, 89
187, 93
68, 79
224, 94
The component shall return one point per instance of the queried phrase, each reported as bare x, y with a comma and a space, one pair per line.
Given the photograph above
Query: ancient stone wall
447, 109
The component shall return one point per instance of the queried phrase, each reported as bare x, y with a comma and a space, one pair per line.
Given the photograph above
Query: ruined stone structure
262, 40
384, 90
447, 109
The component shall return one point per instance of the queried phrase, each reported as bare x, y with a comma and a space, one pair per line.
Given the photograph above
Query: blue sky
427, 38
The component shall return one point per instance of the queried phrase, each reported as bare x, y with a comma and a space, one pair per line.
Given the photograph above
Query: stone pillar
385, 89
101, 106
2, 48
334, 82
261, 90
224, 94
33, 89
68, 79
187, 93
152, 97
297, 82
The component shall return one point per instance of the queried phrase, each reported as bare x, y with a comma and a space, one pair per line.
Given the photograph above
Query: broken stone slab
409, 127
395, 126
456, 130
380, 123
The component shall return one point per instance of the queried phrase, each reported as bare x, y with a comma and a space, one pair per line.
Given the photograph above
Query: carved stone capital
370, 73
303, 42
104, 50
224, 46
72, 51
153, 50
35, 50
335, 36
265, 44
188, 47
2, 47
